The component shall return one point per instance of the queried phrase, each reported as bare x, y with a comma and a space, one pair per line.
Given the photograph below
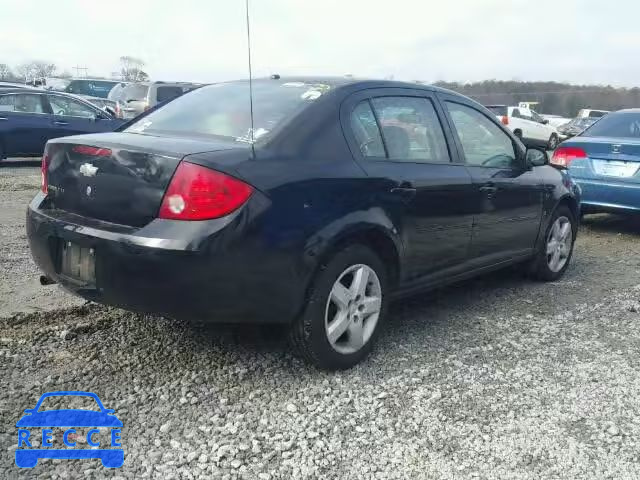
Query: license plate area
614, 168
78, 263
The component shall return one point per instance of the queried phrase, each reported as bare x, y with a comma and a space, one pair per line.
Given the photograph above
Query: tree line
553, 97
131, 70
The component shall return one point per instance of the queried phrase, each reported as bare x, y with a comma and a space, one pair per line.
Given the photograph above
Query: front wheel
555, 252
345, 310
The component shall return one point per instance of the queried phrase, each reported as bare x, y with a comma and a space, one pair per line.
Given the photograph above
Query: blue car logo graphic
27, 457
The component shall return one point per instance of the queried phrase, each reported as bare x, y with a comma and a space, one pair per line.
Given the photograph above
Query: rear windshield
621, 125
169, 92
500, 110
222, 110
135, 92
93, 88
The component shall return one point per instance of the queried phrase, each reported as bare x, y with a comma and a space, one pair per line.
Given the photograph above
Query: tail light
505, 120
91, 151
44, 172
199, 193
563, 156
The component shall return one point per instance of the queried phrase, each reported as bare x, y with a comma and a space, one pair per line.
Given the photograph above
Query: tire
310, 333
543, 267
553, 142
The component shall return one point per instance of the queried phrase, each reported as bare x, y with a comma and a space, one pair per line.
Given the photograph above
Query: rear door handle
4, 118
489, 189
59, 122
404, 190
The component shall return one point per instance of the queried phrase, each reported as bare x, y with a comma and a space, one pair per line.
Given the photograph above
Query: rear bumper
609, 195
211, 271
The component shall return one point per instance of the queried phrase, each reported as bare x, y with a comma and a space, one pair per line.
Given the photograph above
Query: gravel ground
498, 377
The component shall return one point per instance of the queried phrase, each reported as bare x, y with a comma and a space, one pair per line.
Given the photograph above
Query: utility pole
79, 69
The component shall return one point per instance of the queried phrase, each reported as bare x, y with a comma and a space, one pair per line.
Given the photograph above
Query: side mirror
110, 111
545, 121
108, 411
537, 158
30, 410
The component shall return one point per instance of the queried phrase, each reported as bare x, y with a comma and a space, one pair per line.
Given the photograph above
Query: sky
577, 41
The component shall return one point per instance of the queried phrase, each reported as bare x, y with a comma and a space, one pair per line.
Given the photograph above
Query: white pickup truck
526, 124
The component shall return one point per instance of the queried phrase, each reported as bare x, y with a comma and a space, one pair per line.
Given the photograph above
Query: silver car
135, 98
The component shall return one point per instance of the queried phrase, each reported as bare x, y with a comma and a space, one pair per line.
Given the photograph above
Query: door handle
59, 122
490, 189
4, 118
404, 190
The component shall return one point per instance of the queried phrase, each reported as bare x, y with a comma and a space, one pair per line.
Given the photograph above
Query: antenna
253, 150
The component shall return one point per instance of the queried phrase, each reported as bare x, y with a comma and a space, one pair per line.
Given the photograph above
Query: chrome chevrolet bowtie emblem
88, 191
88, 170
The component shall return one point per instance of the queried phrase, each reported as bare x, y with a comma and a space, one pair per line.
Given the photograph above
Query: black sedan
335, 197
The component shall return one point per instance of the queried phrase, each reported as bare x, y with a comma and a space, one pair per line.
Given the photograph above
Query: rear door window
168, 93
26, 103
365, 129
411, 129
6, 103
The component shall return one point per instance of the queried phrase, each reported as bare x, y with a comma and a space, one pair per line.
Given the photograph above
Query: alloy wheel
353, 309
559, 243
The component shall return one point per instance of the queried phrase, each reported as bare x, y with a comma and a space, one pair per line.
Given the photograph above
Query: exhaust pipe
44, 280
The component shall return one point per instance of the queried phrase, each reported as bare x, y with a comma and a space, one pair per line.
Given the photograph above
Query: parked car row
134, 98
31, 117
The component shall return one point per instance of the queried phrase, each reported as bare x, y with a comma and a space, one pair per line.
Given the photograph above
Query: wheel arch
566, 200
380, 238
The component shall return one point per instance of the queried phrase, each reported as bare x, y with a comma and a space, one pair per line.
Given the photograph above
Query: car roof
68, 393
350, 82
21, 90
110, 80
626, 110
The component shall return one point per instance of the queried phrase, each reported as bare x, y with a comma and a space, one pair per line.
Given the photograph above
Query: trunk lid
121, 177
608, 158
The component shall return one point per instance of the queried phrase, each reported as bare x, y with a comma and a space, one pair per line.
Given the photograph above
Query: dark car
576, 126
605, 161
338, 196
30, 117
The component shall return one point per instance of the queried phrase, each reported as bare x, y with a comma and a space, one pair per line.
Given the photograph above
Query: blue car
69, 419
29, 118
605, 161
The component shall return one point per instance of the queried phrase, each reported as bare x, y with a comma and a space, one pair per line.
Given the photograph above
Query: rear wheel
345, 311
553, 142
555, 252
